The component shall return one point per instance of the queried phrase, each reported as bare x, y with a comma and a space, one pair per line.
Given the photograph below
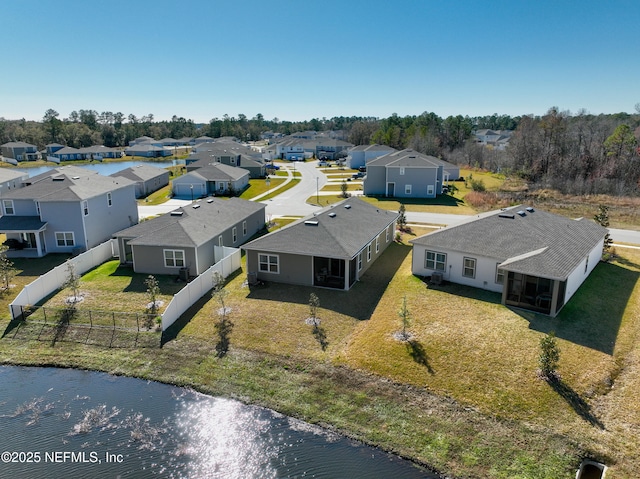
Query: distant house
360, 155
68, 153
144, 139
329, 148
215, 179
227, 153
408, 174
498, 139
65, 210
202, 139
537, 260
147, 178
331, 249
11, 180
51, 148
20, 151
186, 237
99, 152
148, 150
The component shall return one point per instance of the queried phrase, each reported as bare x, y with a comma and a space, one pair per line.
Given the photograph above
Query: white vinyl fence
54, 279
199, 286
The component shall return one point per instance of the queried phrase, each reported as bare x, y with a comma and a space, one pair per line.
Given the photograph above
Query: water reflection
123, 427
104, 168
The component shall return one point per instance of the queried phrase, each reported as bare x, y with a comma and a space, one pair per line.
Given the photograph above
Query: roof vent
506, 215
176, 213
529, 209
75, 177
197, 205
58, 178
332, 215
348, 207
522, 213
210, 200
311, 222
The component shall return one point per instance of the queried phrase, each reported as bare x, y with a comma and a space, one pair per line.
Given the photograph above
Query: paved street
293, 203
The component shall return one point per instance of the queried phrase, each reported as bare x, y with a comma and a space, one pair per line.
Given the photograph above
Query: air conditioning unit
436, 278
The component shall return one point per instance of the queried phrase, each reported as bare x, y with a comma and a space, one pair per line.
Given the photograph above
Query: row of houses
536, 260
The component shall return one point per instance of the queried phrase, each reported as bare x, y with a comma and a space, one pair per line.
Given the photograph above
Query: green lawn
259, 185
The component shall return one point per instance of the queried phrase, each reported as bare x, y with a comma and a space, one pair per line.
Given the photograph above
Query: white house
537, 260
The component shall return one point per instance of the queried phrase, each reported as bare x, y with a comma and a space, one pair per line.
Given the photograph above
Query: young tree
602, 218
153, 291
72, 282
7, 270
223, 325
314, 304
343, 189
405, 317
402, 219
549, 357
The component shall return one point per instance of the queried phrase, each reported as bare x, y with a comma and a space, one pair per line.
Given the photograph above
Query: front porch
25, 236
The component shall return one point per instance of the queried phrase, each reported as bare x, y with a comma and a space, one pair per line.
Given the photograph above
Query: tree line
574, 153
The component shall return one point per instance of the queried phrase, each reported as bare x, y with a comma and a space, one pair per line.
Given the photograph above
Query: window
586, 264
360, 261
377, 244
85, 207
369, 252
469, 268
402, 170
269, 263
387, 234
244, 228
436, 261
65, 238
407, 189
430, 190
109, 199
8, 207
234, 234
499, 275
174, 258
38, 207
220, 241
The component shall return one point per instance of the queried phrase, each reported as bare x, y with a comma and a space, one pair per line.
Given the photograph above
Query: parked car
359, 174
363, 169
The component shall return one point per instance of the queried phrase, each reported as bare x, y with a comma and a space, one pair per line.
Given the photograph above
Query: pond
76, 424
104, 168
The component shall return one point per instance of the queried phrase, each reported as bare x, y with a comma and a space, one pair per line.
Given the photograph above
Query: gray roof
538, 243
339, 236
67, 183
409, 157
217, 172
141, 172
17, 144
195, 226
374, 147
145, 147
21, 223
7, 174
67, 150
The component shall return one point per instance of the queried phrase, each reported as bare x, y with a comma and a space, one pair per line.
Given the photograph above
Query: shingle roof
340, 236
538, 243
21, 223
218, 172
17, 144
68, 183
140, 172
409, 157
374, 147
195, 226
7, 174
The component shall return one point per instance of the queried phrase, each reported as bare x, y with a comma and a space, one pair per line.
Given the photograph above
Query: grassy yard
463, 396
289, 185
259, 185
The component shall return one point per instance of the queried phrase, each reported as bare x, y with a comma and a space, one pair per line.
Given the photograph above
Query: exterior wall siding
62, 217
103, 220
375, 181
150, 260
294, 269
418, 178
578, 275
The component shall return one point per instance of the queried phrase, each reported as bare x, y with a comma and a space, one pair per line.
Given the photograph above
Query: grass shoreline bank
402, 419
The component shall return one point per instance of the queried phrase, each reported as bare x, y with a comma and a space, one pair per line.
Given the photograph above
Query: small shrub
478, 185
549, 357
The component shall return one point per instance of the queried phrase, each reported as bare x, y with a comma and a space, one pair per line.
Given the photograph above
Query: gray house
537, 260
20, 151
65, 210
185, 238
408, 174
148, 150
332, 248
215, 179
361, 155
11, 179
147, 178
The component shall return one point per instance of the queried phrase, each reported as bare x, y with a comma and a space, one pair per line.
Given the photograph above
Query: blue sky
298, 60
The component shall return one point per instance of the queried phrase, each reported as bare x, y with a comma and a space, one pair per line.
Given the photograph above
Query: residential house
148, 178
20, 151
99, 152
498, 139
65, 210
537, 260
228, 153
11, 179
360, 155
185, 239
51, 148
201, 139
144, 139
148, 150
68, 153
408, 174
330, 148
215, 179
332, 248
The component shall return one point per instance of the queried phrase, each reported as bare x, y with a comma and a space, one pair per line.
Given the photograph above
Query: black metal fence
112, 329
